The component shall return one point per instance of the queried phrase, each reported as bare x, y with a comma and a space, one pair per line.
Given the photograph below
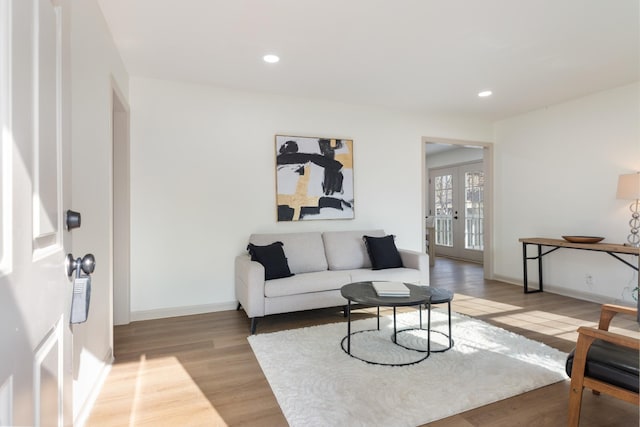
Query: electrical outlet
588, 279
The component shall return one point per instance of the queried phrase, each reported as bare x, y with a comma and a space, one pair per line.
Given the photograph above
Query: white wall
454, 157
556, 172
94, 63
203, 179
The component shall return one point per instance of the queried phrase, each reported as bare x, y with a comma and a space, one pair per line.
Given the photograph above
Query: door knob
87, 264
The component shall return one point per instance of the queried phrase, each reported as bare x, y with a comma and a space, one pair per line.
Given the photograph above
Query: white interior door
457, 202
35, 294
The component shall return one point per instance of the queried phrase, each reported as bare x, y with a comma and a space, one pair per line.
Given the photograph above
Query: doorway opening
456, 209
457, 200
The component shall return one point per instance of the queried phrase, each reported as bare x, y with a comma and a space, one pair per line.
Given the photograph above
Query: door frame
487, 150
121, 206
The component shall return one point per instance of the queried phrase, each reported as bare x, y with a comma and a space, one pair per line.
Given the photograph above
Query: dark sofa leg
238, 307
254, 323
344, 311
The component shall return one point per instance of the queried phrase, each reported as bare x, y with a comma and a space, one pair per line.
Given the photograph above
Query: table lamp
629, 189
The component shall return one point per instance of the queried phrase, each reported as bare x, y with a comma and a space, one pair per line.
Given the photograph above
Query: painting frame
314, 178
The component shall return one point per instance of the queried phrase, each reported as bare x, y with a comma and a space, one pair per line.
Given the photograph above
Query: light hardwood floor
200, 370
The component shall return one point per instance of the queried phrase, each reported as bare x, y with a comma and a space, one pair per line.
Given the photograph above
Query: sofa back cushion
345, 250
304, 251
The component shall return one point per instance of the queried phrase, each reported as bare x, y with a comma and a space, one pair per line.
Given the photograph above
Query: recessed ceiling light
271, 59
485, 93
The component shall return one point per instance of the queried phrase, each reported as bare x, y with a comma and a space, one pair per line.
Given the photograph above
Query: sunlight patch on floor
482, 306
163, 394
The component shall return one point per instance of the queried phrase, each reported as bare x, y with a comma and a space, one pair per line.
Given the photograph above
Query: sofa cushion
304, 251
610, 363
272, 259
383, 252
406, 275
306, 283
345, 250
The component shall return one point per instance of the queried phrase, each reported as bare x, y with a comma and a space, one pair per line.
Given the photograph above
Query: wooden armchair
603, 361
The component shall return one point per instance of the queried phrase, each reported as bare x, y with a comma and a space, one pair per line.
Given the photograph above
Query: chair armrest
417, 260
249, 284
621, 340
608, 311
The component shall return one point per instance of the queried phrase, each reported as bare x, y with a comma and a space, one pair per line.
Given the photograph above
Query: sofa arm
418, 261
249, 284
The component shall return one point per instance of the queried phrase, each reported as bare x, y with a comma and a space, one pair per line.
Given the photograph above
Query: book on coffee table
390, 289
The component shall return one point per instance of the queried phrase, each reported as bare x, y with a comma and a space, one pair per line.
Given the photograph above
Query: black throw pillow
272, 258
382, 252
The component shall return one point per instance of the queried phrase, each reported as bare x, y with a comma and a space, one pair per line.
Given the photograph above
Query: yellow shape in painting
346, 158
300, 198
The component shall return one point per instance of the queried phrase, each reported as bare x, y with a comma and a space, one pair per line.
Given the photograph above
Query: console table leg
524, 267
540, 266
525, 270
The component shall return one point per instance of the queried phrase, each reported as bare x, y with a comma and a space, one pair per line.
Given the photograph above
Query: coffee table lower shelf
347, 340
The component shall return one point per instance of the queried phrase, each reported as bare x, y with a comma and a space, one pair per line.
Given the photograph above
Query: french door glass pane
444, 210
474, 210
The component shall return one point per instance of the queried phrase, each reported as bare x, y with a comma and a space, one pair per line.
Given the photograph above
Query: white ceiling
421, 56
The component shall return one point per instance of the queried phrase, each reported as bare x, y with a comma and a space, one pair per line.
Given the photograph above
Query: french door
456, 197
35, 294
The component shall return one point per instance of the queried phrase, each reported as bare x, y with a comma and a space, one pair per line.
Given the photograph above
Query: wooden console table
609, 248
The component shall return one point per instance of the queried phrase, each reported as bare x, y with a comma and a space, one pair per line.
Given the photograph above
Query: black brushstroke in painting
285, 213
324, 202
333, 177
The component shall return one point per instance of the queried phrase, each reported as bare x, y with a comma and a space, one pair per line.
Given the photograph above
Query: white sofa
321, 263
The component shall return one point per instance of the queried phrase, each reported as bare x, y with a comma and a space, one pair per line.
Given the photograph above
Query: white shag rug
317, 383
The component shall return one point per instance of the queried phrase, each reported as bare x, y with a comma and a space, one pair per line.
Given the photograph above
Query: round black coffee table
364, 293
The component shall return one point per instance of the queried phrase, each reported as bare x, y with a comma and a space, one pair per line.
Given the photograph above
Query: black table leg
524, 267
525, 259
540, 267
394, 325
429, 328
349, 327
450, 339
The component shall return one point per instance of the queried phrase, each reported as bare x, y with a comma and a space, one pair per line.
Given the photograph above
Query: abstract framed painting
314, 178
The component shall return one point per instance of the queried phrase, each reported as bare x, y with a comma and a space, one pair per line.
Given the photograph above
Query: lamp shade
629, 186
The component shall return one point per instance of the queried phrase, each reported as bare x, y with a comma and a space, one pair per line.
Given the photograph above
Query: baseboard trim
586, 296
573, 293
162, 313
508, 280
85, 411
